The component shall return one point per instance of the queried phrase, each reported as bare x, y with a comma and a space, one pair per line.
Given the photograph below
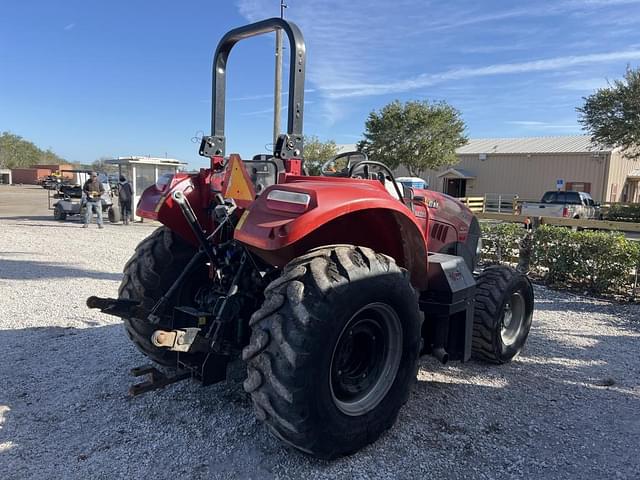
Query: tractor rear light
287, 201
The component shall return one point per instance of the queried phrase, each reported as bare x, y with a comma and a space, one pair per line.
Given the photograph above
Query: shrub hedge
597, 262
624, 213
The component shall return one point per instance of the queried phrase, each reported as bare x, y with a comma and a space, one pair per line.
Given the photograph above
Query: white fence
500, 202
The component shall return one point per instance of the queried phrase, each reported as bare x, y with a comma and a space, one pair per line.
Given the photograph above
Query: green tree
316, 152
417, 134
101, 166
16, 152
611, 115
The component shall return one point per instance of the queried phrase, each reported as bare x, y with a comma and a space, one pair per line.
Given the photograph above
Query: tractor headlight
287, 201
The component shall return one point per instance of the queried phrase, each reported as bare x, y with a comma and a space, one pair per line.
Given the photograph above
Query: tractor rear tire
333, 351
158, 261
503, 314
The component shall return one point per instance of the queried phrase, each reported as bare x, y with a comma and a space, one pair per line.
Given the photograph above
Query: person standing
125, 196
93, 190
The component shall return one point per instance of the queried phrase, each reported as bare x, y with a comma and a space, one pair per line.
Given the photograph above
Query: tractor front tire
502, 315
333, 351
158, 261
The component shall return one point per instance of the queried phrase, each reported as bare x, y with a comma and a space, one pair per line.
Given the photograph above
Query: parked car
563, 204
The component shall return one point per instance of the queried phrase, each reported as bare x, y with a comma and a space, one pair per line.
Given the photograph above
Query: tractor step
156, 379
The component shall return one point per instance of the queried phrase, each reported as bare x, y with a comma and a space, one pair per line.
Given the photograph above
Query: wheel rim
512, 318
366, 359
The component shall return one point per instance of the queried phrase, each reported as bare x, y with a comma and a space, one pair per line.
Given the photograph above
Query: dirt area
29, 201
566, 408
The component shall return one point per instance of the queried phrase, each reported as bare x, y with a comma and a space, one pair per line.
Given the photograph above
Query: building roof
147, 160
562, 144
455, 172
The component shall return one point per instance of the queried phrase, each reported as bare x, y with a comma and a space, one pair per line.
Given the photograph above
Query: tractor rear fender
333, 211
156, 202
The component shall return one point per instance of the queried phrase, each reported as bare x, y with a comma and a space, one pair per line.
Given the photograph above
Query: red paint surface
341, 210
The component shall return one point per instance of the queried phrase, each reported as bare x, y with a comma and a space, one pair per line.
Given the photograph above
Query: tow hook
175, 340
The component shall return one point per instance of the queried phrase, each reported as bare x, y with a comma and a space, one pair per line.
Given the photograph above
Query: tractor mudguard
291, 218
156, 203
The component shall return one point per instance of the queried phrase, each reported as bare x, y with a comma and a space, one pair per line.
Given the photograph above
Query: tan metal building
531, 166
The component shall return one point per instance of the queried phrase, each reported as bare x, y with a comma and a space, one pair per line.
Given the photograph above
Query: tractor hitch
180, 340
119, 307
156, 379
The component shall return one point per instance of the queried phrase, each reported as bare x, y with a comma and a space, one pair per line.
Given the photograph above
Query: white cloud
457, 22
69, 26
262, 96
525, 123
598, 3
426, 79
262, 112
537, 125
482, 49
584, 84
364, 48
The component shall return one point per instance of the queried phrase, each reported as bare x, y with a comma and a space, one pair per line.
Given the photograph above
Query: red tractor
328, 287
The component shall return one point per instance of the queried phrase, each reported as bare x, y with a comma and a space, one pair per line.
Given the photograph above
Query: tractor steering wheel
339, 166
386, 175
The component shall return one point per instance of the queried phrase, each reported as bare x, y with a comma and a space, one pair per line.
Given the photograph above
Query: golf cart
70, 200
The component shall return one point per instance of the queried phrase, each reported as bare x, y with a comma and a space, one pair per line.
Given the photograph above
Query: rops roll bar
291, 145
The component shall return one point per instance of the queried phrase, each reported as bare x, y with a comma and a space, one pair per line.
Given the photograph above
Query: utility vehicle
68, 200
328, 287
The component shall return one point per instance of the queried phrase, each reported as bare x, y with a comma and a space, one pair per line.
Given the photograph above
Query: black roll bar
214, 145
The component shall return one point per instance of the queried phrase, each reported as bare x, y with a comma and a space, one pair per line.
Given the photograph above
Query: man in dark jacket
93, 190
125, 196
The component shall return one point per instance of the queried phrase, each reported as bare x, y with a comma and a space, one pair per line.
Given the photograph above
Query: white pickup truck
563, 204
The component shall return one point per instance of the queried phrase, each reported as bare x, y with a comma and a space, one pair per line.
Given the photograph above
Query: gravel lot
568, 407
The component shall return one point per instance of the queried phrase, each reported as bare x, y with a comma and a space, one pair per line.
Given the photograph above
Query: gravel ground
568, 407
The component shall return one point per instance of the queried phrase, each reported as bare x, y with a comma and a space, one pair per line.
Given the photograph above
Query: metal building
143, 172
531, 166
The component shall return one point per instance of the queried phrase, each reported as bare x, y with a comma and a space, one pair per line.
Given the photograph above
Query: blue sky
107, 78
